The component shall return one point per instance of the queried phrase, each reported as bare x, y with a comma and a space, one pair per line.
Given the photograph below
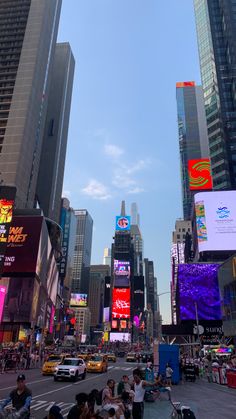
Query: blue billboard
123, 223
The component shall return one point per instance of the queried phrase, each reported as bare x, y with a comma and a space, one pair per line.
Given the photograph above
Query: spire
123, 209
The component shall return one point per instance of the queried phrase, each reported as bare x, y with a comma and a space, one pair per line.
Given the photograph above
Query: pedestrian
109, 401
169, 373
54, 413
80, 410
139, 393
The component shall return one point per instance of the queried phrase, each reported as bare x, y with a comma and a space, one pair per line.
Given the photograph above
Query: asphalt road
46, 392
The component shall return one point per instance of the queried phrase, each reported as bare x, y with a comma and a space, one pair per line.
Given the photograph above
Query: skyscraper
193, 142
98, 274
54, 145
82, 252
216, 31
28, 38
107, 256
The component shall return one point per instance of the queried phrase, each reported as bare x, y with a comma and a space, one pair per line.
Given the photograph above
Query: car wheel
75, 378
84, 375
55, 379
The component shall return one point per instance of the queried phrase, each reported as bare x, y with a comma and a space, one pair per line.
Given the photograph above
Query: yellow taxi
85, 356
111, 357
97, 363
52, 362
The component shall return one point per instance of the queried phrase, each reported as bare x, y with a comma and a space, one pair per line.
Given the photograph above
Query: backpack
188, 414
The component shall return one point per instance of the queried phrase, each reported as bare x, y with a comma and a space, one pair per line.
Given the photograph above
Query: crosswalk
45, 406
120, 368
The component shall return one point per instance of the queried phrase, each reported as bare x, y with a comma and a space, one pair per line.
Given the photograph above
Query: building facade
82, 252
193, 142
216, 31
107, 256
98, 274
53, 154
82, 325
28, 38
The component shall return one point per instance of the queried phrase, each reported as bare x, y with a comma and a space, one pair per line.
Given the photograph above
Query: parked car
97, 363
71, 368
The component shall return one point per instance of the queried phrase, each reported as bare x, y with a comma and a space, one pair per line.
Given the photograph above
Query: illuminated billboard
3, 291
185, 84
106, 314
120, 337
123, 223
121, 273
7, 197
198, 291
121, 303
123, 324
199, 172
216, 220
79, 300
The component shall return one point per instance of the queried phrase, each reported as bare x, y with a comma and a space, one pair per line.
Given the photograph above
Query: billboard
106, 314
79, 300
216, 220
138, 293
121, 273
121, 303
120, 337
7, 197
198, 290
199, 173
3, 291
23, 244
123, 324
123, 223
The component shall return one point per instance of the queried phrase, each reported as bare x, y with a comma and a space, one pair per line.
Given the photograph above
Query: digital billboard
121, 273
121, 303
23, 245
114, 324
3, 291
123, 324
198, 290
123, 223
106, 314
120, 337
18, 300
216, 220
7, 197
199, 172
79, 300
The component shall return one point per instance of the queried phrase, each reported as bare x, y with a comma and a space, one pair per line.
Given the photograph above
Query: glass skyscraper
82, 252
216, 31
193, 143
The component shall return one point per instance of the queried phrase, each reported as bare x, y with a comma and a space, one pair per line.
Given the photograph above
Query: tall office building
53, 154
28, 38
82, 252
98, 274
137, 240
150, 284
107, 256
193, 142
135, 217
216, 31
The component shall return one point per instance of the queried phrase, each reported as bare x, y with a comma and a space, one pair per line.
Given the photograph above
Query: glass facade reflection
216, 31
227, 286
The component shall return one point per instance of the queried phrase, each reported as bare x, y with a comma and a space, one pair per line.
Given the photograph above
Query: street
46, 392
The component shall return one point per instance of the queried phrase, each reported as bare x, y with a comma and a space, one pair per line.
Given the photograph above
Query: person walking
169, 373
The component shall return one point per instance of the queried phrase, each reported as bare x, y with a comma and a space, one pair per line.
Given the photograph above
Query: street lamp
159, 319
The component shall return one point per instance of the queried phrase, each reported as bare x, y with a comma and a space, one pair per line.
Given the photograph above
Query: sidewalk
206, 400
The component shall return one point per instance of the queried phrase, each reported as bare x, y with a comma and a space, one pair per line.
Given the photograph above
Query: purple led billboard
198, 283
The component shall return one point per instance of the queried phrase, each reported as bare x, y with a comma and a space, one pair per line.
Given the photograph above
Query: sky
123, 137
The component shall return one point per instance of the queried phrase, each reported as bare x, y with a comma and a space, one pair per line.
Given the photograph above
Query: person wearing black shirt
80, 410
20, 398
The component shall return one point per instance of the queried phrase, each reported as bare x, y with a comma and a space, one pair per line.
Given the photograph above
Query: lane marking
27, 383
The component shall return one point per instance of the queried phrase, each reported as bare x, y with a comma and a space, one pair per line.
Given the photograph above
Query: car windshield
71, 362
54, 358
96, 358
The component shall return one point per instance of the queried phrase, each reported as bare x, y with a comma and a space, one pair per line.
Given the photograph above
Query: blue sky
123, 140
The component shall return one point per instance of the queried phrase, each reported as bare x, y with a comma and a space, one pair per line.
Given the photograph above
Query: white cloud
138, 166
113, 150
96, 190
122, 181
136, 190
66, 194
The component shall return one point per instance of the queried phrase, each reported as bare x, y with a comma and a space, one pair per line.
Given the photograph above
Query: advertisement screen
23, 244
121, 303
198, 290
121, 273
7, 197
114, 324
79, 300
216, 220
3, 291
18, 300
123, 223
199, 172
123, 324
51, 324
106, 314
120, 337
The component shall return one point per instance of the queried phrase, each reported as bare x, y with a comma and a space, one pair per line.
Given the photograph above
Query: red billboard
23, 245
121, 303
199, 172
